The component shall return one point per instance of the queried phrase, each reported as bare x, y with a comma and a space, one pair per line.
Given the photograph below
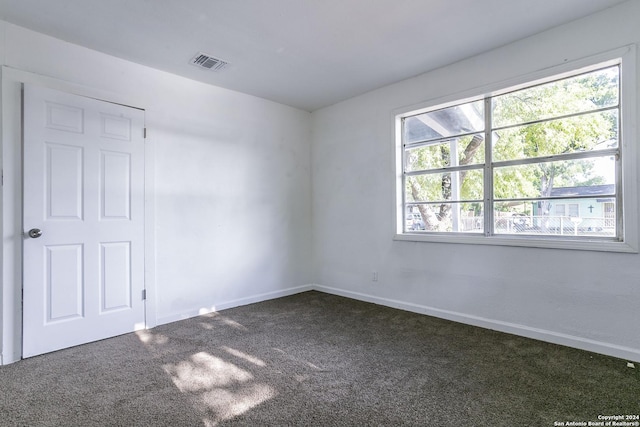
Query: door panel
115, 188
115, 276
84, 189
64, 179
63, 282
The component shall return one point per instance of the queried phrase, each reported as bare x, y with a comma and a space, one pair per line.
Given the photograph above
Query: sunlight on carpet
244, 356
218, 388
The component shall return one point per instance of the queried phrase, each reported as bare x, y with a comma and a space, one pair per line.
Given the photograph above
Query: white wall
585, 299
229, 174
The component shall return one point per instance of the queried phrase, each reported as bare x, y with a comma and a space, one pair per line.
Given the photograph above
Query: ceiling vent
204, 60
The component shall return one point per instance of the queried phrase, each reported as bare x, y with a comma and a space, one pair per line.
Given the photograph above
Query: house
594, 215
249, 199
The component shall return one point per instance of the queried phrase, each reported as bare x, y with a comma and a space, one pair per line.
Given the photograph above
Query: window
574, 210
519, 165
609, 214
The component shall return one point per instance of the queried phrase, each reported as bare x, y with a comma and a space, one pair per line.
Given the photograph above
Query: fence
510, 223
555, 225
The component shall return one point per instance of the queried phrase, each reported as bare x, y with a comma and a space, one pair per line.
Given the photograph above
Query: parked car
414, 222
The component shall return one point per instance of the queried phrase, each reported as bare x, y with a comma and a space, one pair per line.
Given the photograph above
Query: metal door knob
34, 233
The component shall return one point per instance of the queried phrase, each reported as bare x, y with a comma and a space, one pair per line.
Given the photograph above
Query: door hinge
144, 295
144, 133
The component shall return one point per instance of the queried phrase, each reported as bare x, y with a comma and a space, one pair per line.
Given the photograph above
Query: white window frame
628, 211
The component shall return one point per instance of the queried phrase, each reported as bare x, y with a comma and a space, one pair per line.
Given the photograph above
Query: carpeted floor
316, 359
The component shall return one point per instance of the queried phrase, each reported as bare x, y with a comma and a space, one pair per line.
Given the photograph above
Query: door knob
34, 233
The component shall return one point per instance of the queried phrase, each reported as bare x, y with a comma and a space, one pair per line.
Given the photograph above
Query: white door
83, 220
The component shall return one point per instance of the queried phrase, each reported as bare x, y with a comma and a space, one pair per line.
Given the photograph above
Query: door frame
11, 193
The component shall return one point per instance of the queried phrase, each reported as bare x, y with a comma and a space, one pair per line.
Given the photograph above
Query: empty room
300, 212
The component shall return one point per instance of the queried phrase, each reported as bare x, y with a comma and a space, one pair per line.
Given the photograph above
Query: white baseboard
608, 349
234, 303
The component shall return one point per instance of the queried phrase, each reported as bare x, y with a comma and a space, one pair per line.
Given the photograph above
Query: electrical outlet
374, 276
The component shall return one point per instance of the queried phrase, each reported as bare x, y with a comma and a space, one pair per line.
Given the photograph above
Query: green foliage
582, 132
582, 93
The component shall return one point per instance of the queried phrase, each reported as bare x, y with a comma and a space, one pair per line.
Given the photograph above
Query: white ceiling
303, 53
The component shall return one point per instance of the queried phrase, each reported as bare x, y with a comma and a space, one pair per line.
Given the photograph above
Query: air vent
208, 62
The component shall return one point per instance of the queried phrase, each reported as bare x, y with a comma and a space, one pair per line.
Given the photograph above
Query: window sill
524, 241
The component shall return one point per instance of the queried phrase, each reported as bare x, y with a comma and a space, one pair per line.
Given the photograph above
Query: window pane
574, 209
445, 217
542, 218
511, 217
463, 185
414, 220
586, 92
470, 150
415, 130
594, 131
444, 123
584, 177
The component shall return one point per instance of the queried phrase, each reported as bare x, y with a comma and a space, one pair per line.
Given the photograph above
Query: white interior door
83, 220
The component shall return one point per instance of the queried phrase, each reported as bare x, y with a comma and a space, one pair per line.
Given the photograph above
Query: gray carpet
316, 359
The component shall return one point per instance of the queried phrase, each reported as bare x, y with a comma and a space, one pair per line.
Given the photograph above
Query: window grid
489, 167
